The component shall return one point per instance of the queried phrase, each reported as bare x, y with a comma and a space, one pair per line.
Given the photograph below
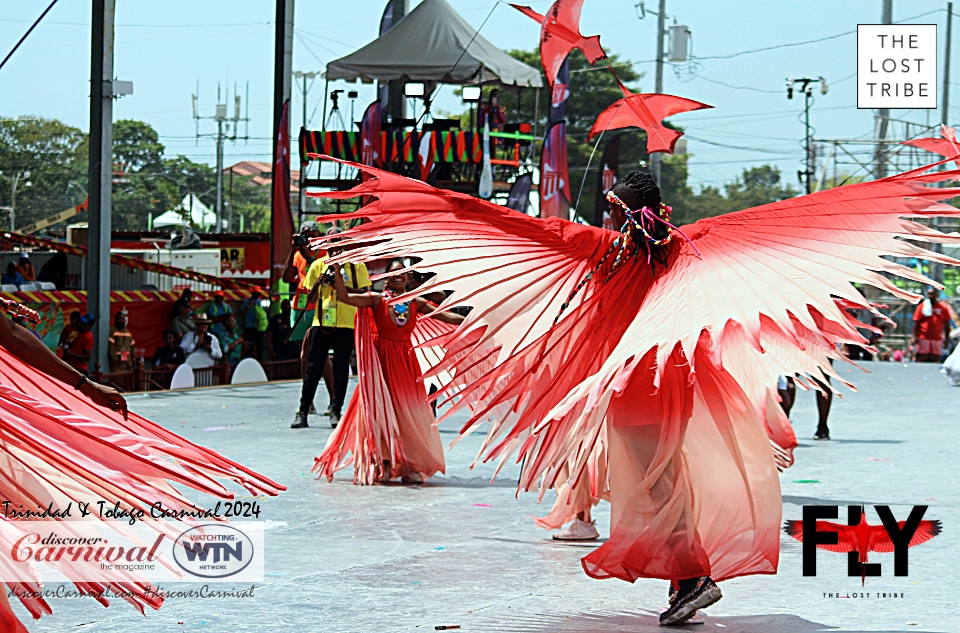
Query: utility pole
655, 159
221, 116
301, 197
936, 268
883, 114
806, 85
227, 129
282, 80
101, 176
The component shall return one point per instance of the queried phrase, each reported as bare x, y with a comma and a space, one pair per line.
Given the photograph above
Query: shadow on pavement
623, 622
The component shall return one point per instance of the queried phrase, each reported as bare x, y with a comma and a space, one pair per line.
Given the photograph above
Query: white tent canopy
200, 214
428, 46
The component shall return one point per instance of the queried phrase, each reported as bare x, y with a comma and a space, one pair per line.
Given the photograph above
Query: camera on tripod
335, 97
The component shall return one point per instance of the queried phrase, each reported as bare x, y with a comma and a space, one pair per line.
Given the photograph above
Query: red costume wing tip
794, 529
882, 543
844, 542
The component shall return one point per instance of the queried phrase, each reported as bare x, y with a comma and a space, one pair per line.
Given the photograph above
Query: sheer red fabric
670, 373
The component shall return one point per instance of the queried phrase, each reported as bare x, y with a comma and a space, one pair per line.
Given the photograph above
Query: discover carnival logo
86, 551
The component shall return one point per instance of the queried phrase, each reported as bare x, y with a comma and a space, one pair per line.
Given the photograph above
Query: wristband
83, 381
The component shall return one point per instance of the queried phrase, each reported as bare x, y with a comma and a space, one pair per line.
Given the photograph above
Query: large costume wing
515, 271
57, 447
787, 262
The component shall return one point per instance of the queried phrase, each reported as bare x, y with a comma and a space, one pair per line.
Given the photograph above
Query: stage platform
460, 551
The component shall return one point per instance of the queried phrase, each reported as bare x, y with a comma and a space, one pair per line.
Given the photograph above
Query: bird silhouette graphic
862, 538
560, 34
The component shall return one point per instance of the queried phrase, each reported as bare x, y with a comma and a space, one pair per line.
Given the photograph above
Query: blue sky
166, 48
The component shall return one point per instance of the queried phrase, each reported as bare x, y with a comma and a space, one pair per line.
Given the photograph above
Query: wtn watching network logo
857, 539
214, 551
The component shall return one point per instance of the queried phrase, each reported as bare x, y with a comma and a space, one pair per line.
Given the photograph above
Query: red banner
554, 177
371, 138
281, 217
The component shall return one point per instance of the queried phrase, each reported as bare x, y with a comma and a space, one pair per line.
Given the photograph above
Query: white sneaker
578, 531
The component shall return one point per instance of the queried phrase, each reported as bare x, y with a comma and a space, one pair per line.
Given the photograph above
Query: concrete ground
462, 551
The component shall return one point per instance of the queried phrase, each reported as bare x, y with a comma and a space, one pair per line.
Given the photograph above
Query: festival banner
554, 177
371, 140
607, 178
560, 93
519, 197
281, 218
426, 155
392, 14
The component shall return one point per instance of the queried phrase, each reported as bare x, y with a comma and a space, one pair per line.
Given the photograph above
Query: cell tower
228, 129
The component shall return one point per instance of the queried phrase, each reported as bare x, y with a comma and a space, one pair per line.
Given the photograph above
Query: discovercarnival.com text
68, 591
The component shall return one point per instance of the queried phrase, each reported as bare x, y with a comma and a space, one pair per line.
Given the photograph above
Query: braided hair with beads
637, 191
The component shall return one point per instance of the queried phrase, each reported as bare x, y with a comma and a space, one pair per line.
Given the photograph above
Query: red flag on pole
280, 214
554, 177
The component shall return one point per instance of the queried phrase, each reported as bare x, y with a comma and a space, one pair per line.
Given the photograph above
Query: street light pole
655, 160
809, 161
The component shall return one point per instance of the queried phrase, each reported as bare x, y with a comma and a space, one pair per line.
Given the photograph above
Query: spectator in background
69, 332
218, 312
230, 341
295, 273
493, 113
931, 325
55, 271
26, 268
120, 350
252, 335
278, 347
12, 276
202, 344
183, 321
77, 351
171, 355
333, 324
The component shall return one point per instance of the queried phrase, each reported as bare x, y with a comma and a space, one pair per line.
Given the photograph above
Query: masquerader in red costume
665, 341
389, 427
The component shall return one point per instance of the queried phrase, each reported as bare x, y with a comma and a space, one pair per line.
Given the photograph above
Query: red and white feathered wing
775, 272
57, 447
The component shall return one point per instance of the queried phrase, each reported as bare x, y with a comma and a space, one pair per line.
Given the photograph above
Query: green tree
136, 146
55, 154
756, 186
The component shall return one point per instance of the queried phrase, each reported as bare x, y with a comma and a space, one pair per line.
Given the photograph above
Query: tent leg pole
326, 90
536, 112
